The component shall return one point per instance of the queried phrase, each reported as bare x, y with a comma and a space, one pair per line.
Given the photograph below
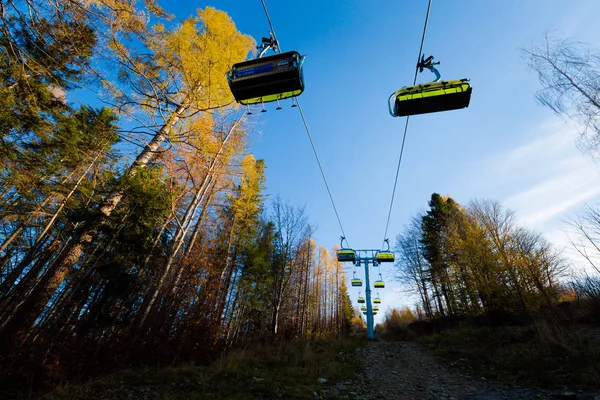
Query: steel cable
312, 144
387, 224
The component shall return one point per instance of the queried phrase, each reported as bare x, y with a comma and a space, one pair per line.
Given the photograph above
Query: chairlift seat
346, 255
267, 79
356, 282
363, 308
377, 301
375, 309
361, 300
379, 284
385, 256
431, 97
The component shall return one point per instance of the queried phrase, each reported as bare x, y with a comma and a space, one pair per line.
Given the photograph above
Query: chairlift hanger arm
342, 238
268, 43
430, 65
272, 32
387, 242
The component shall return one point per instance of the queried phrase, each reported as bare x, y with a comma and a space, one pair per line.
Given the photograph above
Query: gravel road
404, 370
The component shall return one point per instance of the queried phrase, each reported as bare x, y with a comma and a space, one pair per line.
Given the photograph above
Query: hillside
342, 369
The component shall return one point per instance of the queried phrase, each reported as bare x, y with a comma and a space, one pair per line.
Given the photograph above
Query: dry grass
544, 354
285, 370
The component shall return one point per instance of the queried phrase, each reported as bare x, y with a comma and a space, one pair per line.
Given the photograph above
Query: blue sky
504, 147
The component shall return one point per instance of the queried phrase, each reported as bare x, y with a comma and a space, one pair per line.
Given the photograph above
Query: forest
464, 261
135, 228
170, 254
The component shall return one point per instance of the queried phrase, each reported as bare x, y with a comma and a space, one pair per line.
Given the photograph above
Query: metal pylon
369, 258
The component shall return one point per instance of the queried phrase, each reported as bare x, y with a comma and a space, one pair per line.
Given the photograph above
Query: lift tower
365, 257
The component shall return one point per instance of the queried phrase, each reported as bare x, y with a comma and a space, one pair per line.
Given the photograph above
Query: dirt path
404, 370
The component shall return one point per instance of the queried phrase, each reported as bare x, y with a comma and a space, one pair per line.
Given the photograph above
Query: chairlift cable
422, 41
387, 224
307, 130
320, 167
277, 48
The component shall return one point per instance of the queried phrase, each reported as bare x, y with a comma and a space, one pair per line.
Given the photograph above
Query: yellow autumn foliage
247, 201
200, 52
120, 15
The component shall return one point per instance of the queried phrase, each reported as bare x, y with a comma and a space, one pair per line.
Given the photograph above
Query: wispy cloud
554, 196
548, 175
541, 152
551, 139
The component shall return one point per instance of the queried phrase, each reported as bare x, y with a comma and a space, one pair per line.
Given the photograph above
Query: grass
286, 370
543, 354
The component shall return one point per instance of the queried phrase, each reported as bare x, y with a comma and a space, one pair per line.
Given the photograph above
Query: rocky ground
404, 370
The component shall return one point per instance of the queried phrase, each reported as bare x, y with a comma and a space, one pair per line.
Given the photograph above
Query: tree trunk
183, 228
25, 316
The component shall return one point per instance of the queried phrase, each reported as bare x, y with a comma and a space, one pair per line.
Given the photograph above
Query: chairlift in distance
385, 255
345, 254
355, 280
377, 300
360, 299
432, 96
379, 283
